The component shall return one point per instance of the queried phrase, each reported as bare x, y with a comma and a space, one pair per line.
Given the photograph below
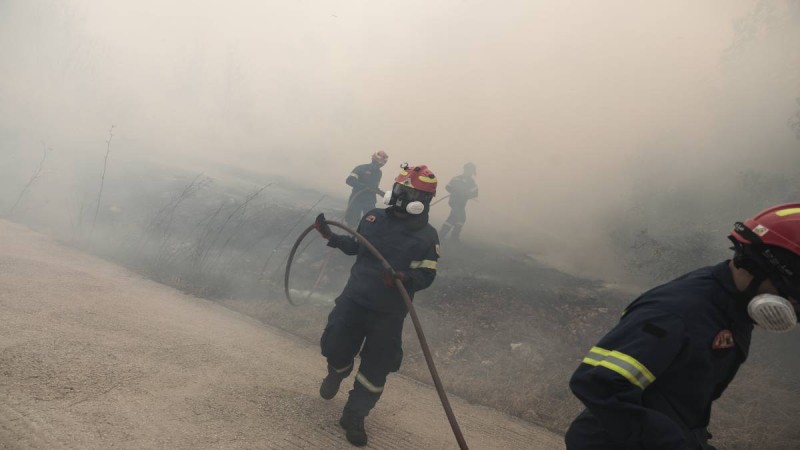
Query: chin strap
754, 258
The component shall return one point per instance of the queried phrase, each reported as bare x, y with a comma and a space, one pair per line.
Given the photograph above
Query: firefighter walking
368, 316
462, 188
364, 180
650, 382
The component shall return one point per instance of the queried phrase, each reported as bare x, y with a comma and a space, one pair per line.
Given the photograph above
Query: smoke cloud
573, 112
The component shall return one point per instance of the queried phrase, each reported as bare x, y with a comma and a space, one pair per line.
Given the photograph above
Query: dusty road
94, 356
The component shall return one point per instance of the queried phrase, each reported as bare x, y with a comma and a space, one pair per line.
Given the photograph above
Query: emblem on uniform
370, 218
723, 340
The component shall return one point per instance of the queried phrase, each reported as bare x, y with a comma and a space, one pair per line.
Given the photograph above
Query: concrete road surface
94, 356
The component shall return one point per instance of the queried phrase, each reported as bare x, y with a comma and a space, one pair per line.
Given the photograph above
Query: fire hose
462, 443
443, 198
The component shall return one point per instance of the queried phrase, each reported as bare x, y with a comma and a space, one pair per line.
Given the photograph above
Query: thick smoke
581, 117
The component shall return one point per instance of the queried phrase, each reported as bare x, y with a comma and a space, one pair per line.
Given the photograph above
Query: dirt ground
95, 356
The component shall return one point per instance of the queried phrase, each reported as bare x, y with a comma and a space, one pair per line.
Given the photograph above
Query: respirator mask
407, 199
772, 313
777, 313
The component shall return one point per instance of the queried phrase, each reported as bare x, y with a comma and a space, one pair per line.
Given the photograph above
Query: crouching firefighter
650, 382
370, 309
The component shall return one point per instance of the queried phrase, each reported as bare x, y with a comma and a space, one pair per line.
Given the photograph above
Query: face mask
415, 208
772, 313
396, 197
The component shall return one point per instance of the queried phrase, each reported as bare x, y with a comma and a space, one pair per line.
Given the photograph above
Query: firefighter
650, 382
370, 309
462, 188
364, 180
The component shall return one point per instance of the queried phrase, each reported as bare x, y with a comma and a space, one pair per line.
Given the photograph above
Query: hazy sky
565, 107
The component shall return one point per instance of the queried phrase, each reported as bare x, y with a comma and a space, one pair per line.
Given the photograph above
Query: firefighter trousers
357, 207
378, 335
455, 221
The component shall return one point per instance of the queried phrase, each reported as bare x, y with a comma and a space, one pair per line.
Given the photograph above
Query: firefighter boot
330, 384
455, 236
353, 425
446, 227
361, 401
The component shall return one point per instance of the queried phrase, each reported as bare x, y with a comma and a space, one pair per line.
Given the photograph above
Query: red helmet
380, 157
768, 245
418, 177
778, 226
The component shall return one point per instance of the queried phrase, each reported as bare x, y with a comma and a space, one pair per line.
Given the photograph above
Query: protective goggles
409, 194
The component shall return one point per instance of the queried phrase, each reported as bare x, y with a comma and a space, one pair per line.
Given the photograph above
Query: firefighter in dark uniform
370, 309
650, 382
364, 180
462, 188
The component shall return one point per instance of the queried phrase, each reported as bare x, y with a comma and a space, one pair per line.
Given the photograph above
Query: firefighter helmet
768, 244
417, 177
413, 190
470, 169
380, 157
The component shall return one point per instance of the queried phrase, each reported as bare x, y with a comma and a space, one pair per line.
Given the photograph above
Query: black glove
323, 227
703, 435
388, 279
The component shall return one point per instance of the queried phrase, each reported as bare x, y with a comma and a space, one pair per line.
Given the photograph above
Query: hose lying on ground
437, 382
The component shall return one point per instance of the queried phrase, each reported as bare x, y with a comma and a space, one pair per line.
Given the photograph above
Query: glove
703, 435
323, 227
388, 279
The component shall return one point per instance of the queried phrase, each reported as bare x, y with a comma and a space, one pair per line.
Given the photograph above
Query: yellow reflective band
623, 364
628, 359
403, 173
424, 264
629, 376
787, 212
344, 369
353, 174
365, 382
427, 179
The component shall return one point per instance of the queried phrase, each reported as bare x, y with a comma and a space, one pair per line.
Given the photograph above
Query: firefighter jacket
461, 189
365, 180
649, 383
409, 244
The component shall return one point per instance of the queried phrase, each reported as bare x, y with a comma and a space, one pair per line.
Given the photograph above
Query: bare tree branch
103, 177
36, 174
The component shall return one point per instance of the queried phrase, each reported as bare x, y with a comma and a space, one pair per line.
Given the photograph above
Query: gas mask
772, 313
781, 267
407, 199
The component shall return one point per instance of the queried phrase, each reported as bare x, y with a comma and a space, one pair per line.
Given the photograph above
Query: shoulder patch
655, 330
723, 340
370, 218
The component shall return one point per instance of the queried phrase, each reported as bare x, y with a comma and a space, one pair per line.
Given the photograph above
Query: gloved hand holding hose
321, 225
390, 276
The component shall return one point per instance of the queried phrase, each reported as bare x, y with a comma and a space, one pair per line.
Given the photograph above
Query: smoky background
615, 142
575, 115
